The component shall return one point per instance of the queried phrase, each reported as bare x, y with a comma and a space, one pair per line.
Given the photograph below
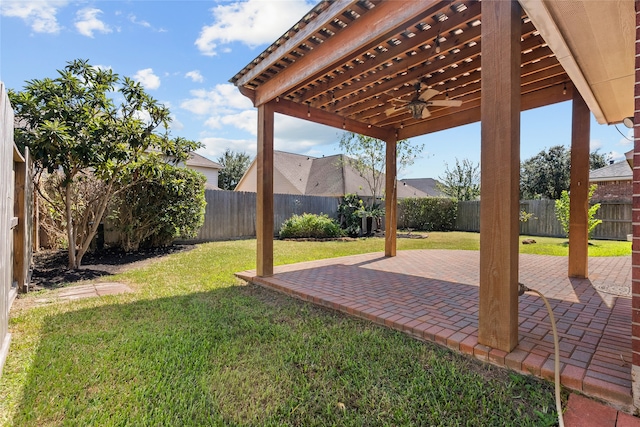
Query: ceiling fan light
416, 108
628, 122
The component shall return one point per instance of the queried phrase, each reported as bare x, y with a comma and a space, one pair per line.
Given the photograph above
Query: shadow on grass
248, 356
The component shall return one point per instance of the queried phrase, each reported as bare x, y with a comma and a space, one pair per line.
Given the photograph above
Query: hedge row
427, 214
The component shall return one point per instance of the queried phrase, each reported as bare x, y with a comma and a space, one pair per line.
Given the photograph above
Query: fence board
616, 221
10, 218
468, 218
232, 214
615, 216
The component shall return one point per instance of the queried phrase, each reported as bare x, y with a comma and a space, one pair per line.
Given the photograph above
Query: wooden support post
579, 189
20, 238
391, 199
264, 199
500, 161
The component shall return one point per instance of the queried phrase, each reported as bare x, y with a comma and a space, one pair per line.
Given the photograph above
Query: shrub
351, 210
153, 212
428, 213
310, 226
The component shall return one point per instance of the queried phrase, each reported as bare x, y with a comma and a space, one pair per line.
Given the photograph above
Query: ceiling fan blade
390, 111
445, 103
425, 113
404, 101
428, 94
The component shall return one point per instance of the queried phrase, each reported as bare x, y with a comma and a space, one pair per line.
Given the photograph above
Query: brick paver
433, 295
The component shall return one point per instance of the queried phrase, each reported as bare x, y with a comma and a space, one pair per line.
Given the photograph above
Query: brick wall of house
613, 191
635, 257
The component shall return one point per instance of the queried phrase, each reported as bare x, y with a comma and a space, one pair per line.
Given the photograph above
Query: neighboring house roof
619, 171
318, 176
196, 160
426, 185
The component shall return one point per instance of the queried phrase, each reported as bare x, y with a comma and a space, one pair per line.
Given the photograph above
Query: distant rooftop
426, 185
196, 160
619, 171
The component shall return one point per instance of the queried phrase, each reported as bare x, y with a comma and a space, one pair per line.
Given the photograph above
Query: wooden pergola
357, 64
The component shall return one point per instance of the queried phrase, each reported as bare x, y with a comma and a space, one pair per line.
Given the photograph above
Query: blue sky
185, 52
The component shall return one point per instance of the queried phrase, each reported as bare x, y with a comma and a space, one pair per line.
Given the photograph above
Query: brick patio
433, 295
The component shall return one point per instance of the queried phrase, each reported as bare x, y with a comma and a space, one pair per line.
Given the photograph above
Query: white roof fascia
543, 21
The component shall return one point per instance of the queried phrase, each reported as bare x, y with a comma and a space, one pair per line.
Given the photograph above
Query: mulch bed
50, 266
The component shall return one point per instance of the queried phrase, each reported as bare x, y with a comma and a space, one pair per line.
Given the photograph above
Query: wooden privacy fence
15, 220
615, 216
232, 214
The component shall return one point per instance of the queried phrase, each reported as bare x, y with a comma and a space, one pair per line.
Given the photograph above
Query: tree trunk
70, 234
84, 245
36, 221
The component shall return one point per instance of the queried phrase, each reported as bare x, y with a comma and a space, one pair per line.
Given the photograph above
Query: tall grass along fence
232, 215
615, 216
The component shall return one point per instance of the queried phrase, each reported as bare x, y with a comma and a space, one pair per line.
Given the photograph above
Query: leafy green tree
73, 126
234, 166
548, 173
562, 211
462, 182
598, 160
367, 156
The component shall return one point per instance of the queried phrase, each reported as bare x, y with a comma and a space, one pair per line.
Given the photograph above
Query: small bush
562, 211
428, 213
310, 226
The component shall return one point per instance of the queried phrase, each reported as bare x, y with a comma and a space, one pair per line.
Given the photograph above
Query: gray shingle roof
196, 160
619, 171
327, 176
426, 185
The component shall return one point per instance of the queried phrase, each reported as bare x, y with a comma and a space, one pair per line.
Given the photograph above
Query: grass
439, 240
194, 346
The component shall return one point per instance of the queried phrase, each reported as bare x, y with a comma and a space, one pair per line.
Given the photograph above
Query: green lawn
194, 346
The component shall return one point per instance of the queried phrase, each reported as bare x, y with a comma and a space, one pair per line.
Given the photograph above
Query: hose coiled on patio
521, 290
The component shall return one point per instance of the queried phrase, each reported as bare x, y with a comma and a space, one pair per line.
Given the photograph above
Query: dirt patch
50, 267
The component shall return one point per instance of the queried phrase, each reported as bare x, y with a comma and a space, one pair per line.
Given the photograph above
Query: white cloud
142, 23
215, 147
87, 22
40, 15
224, 108
616, 157
293, 135
246, 120
195, 76
252, 22
175, 123
147, 79
301, 136
595, 144
223, 99
627, 139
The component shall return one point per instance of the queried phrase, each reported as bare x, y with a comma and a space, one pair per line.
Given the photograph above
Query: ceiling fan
418, 105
